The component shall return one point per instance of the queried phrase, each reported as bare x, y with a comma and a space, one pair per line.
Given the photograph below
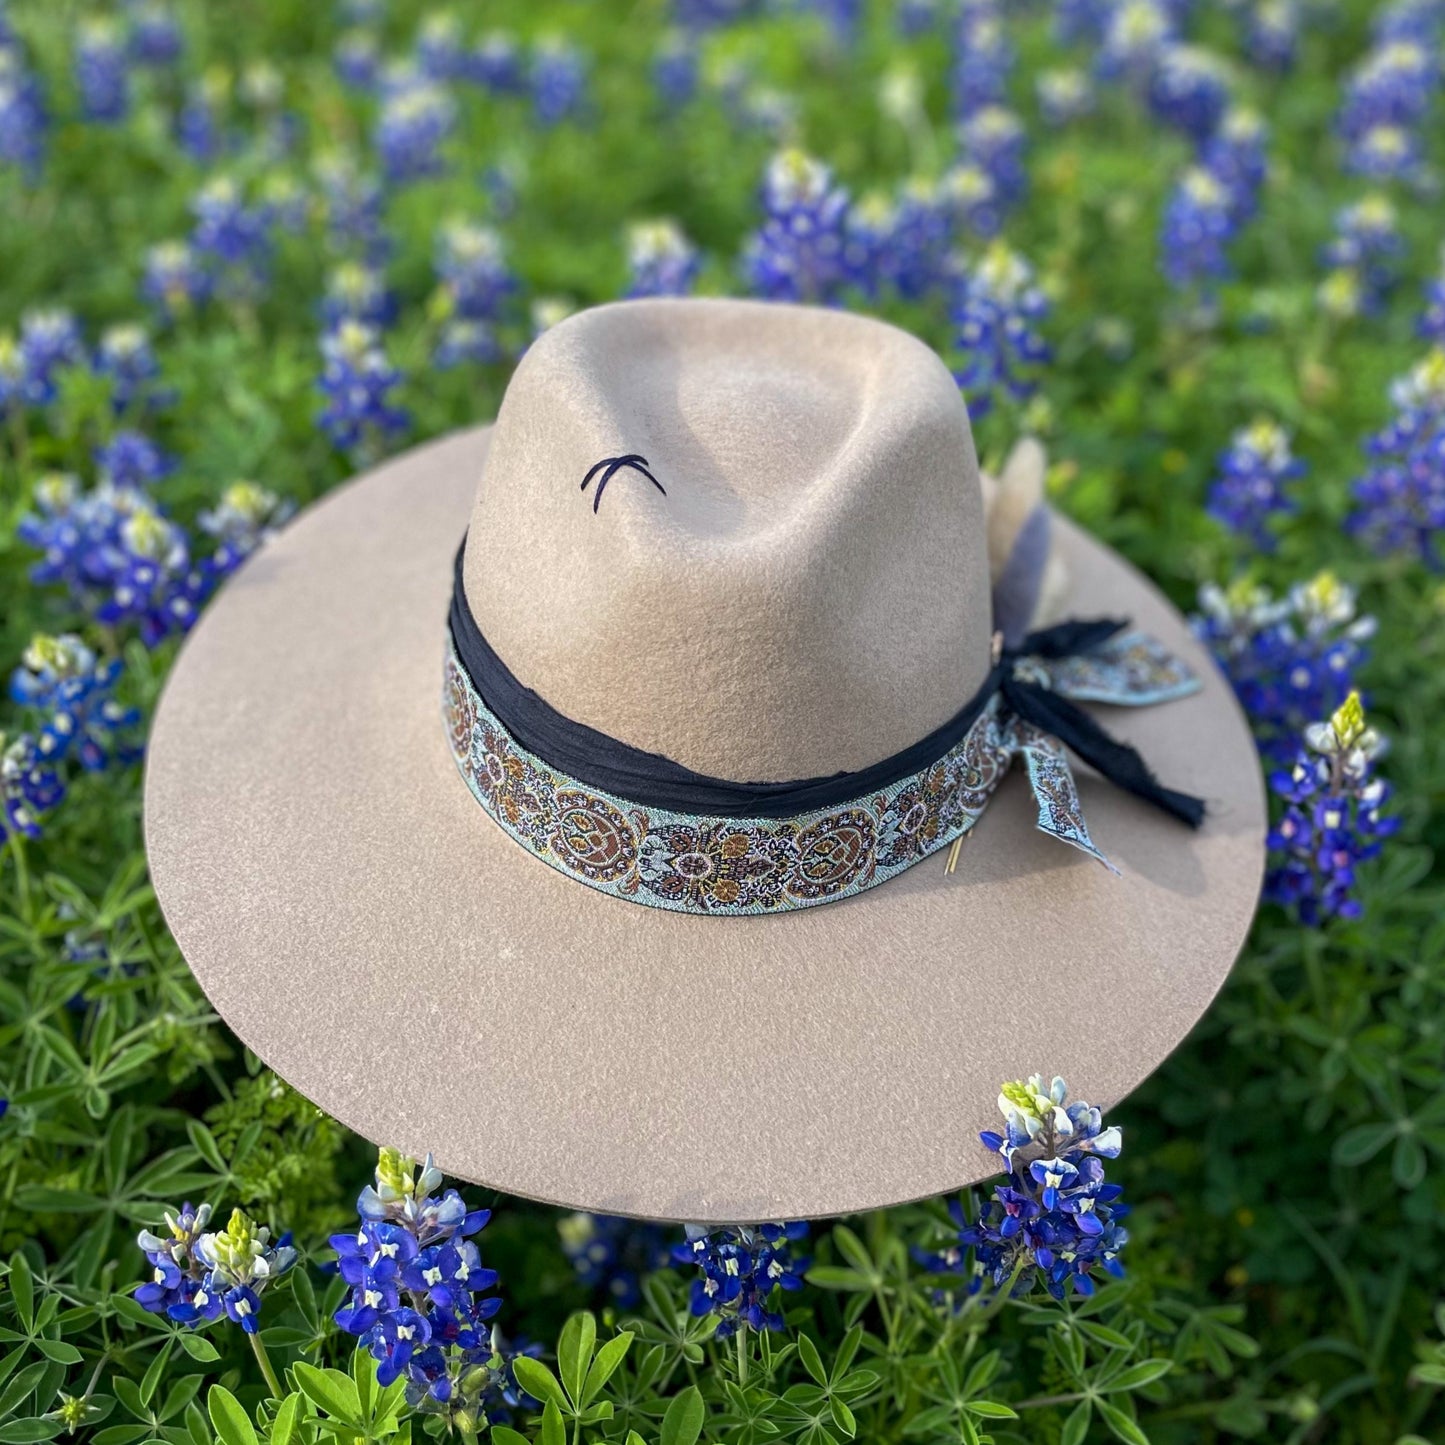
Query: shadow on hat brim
364, 927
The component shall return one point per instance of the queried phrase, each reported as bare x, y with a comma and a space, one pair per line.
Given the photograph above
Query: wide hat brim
373, 935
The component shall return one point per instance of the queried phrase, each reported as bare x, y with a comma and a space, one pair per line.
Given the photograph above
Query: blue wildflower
199, 126
660, 259
1055, 1221
131, 460
1189, 89
495, 64
994, 139
1236, 157
1387, 153
235, 236
49, 342
675, 69
983, 59
23, 117
1400, 501
356, 58
152, 579
1290, 660
234, 1266
414, 124
1367, 244
358, 382
175, 281
177, 1271
1081, 20
916, 17
1332, 821
1135, 33
357, 292
1272, 29
417, 1289
797, 254
125, 355
1198, 223
464, 342
710, 14
1393, 86
558, 80
353, 204
472, 266
246, 516
1249, 489
1064, 95
612, 1255
439, 46
29, 786
740, 1267
75, 532
155, 38
101, 72
996, 318
62, 678
972, 200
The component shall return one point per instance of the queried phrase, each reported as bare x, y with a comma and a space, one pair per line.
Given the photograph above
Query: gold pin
953, 853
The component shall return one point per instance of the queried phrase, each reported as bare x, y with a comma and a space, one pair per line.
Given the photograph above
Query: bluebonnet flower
130, 459
439, 46
246, 516
153, 582
1290, 660
72, 531
284, 202
917, 260
995, 140
471, 264
613, 1254
50, 341
710, 14
101, 72
417, 1288
1064, 95
983, 59
867, 243
496, 64
155, 37
29, 786
126, 356
1332, 821
175, 281
23, 117
916, 17
1272, 30
199, 125
660, 259
1081, 20
1249, 489
234, 235
199, 1276
996, 318
356, 58
1367, 244
1135, 33
411, 130
1432, 315
1392, 86
463, 341
1400, 501
1198, 224
797, 254
1421, 21
843, 17
357, 292
62, 678
1055, 1221
353, 204
1387, 153
358, 381
675, 69
740, 1268
1236, 157
1189, 89
558, 80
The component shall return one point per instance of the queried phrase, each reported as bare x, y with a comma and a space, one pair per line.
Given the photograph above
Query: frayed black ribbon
650, 780
1066, 721
609, 467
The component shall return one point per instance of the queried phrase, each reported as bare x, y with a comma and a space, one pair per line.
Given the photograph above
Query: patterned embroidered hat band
639, 826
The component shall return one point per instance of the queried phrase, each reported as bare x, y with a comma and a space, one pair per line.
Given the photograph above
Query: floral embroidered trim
737, 866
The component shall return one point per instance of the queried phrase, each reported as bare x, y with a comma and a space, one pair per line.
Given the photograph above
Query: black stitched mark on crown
610, 466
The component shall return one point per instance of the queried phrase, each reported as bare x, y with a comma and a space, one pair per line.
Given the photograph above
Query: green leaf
233, 1425
502, 1435
1121, 1424
684, 1419
1137, 1376
22, 1290
607, 1361
851, 1248
537, 1380
554, 1432
283, 1427
843, 1417
20, 1387
198, 1347
152, 1377
812, 1360
1076, 1427
832, 1276
28, 1431
58, 1351
574, 1352
990, 1410
1362, 1143
331, 1391
1408, 1164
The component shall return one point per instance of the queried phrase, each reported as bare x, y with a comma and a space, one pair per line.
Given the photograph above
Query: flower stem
264, 1360
742, 1354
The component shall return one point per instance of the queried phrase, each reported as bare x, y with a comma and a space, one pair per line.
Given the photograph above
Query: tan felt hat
779, 582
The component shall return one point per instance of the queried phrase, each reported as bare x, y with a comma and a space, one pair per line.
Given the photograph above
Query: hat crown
805, 589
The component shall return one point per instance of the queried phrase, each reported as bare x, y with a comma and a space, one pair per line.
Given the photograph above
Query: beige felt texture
765, 619
361, 923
